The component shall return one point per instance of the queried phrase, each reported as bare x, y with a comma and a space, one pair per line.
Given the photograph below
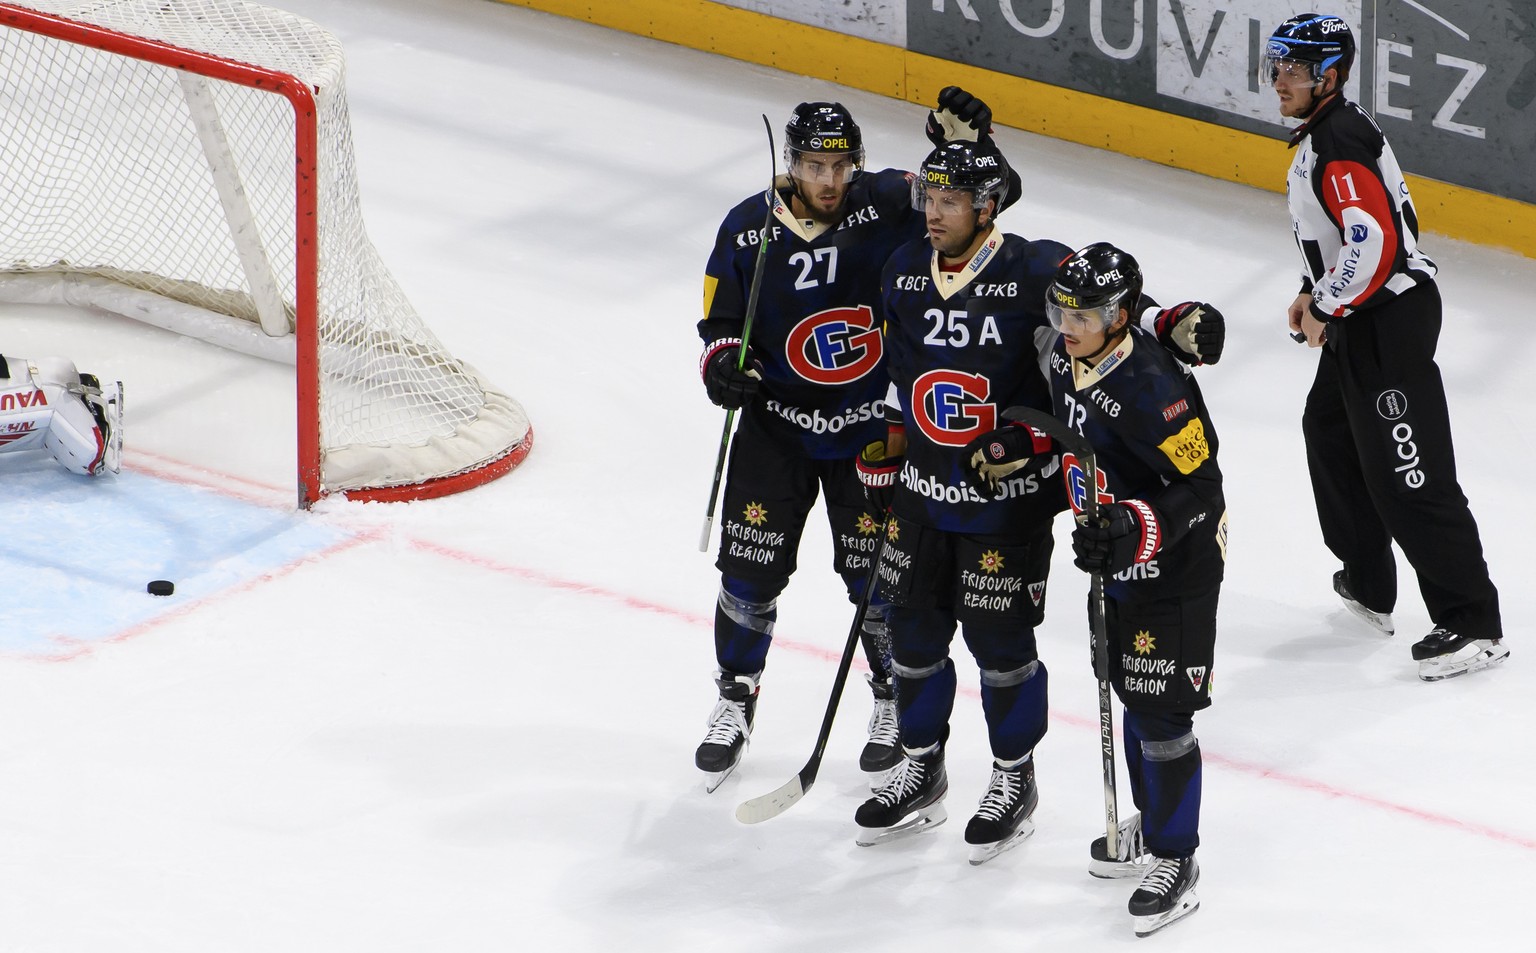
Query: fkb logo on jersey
835, 347
950, 407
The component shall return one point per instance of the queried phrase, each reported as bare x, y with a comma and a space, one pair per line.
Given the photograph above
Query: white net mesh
119, 173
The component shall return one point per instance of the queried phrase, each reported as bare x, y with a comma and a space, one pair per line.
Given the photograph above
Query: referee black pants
1378, 439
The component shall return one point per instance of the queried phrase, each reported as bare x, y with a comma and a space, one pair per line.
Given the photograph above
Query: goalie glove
959, 115
1194, 331
877, 472
728, 385
1127, 533
995, 455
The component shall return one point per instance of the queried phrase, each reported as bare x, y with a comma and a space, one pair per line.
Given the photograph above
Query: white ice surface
468, 724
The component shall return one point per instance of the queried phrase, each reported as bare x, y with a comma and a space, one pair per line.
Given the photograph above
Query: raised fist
959, 115
1194, 331
731, 377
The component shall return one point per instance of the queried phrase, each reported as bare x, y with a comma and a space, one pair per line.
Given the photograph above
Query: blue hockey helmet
1319, 41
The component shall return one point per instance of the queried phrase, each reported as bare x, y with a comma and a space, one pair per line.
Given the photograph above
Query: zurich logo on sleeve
1358, 233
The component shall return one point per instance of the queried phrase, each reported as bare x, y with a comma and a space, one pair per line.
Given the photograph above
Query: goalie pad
47, 404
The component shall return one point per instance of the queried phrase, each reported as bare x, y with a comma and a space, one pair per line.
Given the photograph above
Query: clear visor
836, 168
945, 201
1294, 73
1079, 321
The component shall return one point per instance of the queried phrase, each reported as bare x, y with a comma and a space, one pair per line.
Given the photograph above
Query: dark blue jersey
964, 347
815, 330
1152, 438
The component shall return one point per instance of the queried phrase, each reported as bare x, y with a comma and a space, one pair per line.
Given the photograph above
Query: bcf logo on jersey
837, 346
1076, 477
950, 407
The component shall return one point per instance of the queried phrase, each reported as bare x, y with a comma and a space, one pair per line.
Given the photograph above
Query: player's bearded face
823, 178
952, 219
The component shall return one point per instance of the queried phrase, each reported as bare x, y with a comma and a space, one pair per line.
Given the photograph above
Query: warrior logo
835, 347
950, 407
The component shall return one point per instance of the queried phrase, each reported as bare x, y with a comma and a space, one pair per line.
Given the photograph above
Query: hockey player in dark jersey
1160, 545
964, 322
1376, 425
811, 387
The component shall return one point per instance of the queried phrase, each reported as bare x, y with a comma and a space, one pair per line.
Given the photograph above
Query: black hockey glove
995, 455
1128, 533
959, 115
878, 474
1194, 331
729, 386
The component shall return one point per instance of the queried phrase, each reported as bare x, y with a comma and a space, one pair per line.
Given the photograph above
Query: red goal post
189, 163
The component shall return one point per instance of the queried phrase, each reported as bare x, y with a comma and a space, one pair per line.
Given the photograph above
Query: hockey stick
746, 334
785, 796
1069, 440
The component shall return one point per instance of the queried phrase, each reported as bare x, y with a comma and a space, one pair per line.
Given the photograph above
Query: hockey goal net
189, 163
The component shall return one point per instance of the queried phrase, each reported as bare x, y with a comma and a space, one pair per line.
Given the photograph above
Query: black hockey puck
161, 587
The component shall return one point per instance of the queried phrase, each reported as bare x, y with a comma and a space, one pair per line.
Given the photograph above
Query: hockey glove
959, 116
1194, 331
878, 474
1128, 533
729, 386
995, 455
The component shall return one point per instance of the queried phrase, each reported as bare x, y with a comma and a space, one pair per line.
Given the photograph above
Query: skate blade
981, 853
1478, 656
1380, 621
713, 779
1146, 926
1119, 869
928, 817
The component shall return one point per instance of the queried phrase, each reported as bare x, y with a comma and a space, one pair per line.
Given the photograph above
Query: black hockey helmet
1097, 280
822, 127
962, 165
1321, 41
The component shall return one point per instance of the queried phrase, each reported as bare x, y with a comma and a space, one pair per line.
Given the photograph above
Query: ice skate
1166, 894
1380, 621
1443, 654
1131, 860
730, 729
1004, 817
883, 750
910, 801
